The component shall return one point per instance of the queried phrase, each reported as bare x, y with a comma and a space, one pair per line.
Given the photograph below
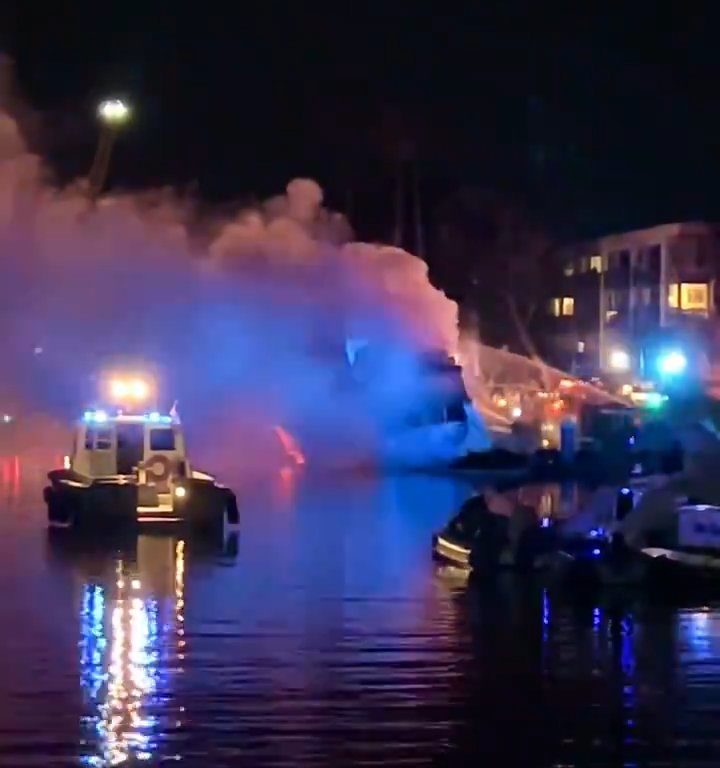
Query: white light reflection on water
120, 647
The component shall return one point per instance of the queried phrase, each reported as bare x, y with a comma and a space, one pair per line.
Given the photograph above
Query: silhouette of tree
498, 262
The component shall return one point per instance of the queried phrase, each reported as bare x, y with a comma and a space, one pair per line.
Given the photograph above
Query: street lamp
113, 114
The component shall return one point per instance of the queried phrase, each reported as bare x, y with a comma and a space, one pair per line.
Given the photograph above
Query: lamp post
113, 114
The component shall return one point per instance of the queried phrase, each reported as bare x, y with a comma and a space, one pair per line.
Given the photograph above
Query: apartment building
622, 296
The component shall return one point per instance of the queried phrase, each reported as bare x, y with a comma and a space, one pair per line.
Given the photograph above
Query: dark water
330, 638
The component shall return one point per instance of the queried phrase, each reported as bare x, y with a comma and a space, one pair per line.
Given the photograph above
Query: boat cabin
148, 447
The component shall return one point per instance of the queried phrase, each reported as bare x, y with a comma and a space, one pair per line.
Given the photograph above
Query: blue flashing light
97, 416
625, 491
545, 522
672, 363
631, 440
100, 417
157, 418
596, 552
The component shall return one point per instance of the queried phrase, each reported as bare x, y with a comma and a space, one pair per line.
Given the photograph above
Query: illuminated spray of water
246, 317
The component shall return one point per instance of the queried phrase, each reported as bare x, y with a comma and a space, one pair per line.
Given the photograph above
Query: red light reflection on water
284, 486
10, 475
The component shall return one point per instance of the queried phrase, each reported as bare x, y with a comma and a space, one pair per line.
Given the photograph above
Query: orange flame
290, 445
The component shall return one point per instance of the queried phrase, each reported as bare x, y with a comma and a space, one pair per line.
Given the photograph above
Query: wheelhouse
150, 447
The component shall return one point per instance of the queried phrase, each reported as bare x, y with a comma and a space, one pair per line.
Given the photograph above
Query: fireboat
129, 466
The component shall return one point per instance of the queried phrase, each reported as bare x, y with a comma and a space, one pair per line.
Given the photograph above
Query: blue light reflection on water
545, 630
93, 641
333, 636
625, 628
122, 675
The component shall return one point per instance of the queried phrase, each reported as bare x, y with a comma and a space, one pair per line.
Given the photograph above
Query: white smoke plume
246, 326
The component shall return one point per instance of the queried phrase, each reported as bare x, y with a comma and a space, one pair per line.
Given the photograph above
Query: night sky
597, 120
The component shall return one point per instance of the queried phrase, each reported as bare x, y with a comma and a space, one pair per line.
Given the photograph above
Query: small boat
657, 534
436, 425
478, 539
127, 469
626, 541
692, 550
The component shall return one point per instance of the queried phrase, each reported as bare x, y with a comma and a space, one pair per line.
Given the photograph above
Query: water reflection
284, 486
132, 647
548, 500
10, 477
334, 640
128, 625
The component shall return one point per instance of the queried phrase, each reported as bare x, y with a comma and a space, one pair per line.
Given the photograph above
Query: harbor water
324, 634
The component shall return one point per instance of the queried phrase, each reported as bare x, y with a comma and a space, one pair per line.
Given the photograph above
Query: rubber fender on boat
158, 467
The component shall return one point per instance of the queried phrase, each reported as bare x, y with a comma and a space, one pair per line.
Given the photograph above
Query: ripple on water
330, 638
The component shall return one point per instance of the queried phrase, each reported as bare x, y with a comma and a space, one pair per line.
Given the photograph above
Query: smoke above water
244, 319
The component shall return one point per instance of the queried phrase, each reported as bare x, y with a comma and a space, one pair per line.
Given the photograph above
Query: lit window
554, 307
584, 264
673, 295
596, 263
581, 346
568, 305
569, 269
694, 297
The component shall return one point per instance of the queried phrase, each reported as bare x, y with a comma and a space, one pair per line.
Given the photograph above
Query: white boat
690, 546
127, 469
658, 529
438, 424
